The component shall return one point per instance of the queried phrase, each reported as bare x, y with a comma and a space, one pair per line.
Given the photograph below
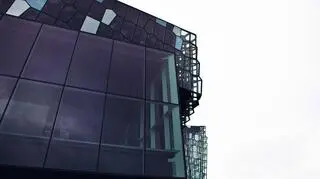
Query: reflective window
17, 37
90, 63
80, 115
161, 76
124, 118
6, 87
127, 70
32, 109
77, 131
122, 138
51, 55
22, 150
164, 155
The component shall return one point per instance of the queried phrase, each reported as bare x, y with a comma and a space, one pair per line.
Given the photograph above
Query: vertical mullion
60, 100
145, 112
105, 106
20, 73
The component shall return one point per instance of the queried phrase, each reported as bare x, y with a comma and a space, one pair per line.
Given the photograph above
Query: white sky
260, 62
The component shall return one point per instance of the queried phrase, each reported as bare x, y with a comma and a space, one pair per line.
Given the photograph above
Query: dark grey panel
120, 160
51, 55
158, 163
124, 122
72, 156
161, 79
90, 64
22, 151
6, 87
80, 115
17, 37
32, 109
127, 70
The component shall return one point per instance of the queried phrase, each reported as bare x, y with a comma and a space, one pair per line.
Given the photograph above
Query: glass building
93, 87
196, 151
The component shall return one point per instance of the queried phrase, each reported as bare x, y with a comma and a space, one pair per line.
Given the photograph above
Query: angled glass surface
6, 87
80, 115
32, 109
90, 63
164, 155
127, 72
37, 4
17, 37
161, 79
122, 136
76, 136
51, 55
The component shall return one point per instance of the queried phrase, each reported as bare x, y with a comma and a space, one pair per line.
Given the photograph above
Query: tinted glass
123, 124
32, 109
77, 131
80, 115
127, 70
164, 155
90, 64
51, 55
120, 159
22, 150
161, 76
121, 151
72, 155
17, 37
6, 87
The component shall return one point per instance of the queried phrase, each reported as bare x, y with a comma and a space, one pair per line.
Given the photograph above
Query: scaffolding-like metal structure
196, 149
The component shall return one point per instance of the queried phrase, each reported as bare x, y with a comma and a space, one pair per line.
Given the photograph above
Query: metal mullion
104, 106
60, 100
20, 73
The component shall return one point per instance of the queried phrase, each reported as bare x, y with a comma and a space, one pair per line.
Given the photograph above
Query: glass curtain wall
71, 100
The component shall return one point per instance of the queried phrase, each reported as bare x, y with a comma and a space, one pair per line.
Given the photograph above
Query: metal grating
196, 149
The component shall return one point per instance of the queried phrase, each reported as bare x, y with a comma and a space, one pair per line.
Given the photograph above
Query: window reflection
6, 87
122, 139
32, 109
26, 127
127, 70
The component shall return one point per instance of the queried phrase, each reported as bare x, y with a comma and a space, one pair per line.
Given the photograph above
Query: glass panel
80, 115
90, 25
161, 76
164, 155
77, 131
127, 70
17, 37
32, 109
22, 150
121, 160
122, 136
90, 63
51, 55
37, 4
6, 87
17, 8
72, 155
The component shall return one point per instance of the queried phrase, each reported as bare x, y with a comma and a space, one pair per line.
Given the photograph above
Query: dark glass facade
94, 86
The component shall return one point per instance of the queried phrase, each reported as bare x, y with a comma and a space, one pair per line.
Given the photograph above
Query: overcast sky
260, 63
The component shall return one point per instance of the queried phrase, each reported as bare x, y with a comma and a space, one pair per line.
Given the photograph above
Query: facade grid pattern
196, 149
56, 107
